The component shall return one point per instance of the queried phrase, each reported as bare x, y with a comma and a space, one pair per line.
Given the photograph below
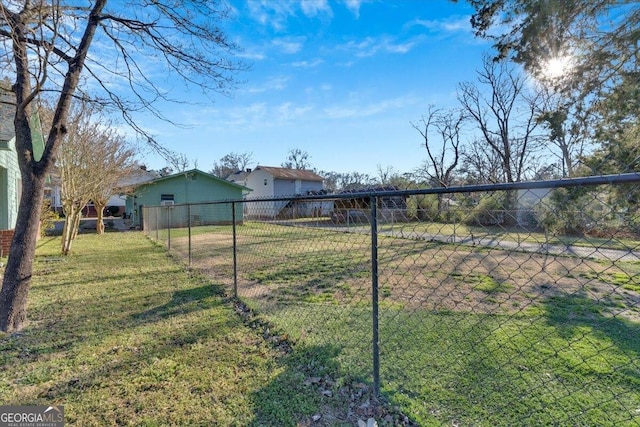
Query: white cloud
244, 116
256, 56
258, 115
288, 111
315, 7
272, 83
276, 12
273, 13
452, 24
354, 6
289, 44
307, 64
356, 110
372, 46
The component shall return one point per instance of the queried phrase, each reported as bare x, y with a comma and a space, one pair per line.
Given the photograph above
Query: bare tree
297, 159
113, 163
444, 151
385, 174
74, 164
479, 165
354, 181
505, 116
231, 163
179, 162
389, 176
93, 159
44, 47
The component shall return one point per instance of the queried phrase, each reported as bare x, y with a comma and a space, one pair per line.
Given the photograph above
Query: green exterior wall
10, 183
187, 188
10, 178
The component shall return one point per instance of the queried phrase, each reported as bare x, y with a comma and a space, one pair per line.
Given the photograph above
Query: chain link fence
510, 304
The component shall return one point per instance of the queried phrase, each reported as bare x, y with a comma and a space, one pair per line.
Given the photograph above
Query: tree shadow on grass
72, 324
296, 393
183, 302
574, 365
571, 313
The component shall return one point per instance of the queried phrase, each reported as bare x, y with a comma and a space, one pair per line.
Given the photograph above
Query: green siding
190, 187
9, 186
10, 178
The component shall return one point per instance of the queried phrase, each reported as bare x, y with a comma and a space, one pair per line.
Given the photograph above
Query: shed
189, 187
391, 207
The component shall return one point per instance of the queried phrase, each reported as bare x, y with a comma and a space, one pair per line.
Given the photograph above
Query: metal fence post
374, 295
189, 230
235, 251
169, 229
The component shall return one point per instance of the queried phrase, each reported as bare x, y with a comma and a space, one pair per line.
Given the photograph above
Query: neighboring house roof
192, 172
285, 173
371, 190
139, 176
238, 176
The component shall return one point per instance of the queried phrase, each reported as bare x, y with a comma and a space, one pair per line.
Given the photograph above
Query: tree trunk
100, 216
73, 214
18, 272
67, 230
76, 222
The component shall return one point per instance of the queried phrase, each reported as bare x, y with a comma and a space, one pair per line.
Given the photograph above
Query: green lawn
469, 335
567, 367
516, 235
496, 233
121, 334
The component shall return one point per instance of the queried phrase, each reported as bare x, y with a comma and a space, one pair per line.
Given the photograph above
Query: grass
568, 366
514, 235
469, 335
123, 335
460, 230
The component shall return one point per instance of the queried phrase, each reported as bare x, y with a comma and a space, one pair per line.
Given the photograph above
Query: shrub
571, 211
490, 210
48, 217
423, 207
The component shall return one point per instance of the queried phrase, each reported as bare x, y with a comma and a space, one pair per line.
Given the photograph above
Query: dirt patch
319, 266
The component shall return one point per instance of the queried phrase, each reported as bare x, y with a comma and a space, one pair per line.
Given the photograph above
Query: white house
139, 176
118, 200
272, 182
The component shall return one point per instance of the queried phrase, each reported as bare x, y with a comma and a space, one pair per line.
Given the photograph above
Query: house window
166, 199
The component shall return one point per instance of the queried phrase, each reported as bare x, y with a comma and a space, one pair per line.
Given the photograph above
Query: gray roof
285, 173
238, 176
192, 172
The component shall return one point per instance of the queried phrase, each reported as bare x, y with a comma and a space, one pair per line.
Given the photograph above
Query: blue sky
340, 79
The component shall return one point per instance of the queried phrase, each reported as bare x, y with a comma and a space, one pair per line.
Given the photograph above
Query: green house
175, 192
10, 181
10, 178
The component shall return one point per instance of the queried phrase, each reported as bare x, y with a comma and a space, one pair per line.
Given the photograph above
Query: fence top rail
623, 178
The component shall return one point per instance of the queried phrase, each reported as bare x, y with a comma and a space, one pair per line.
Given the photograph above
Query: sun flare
557, 67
